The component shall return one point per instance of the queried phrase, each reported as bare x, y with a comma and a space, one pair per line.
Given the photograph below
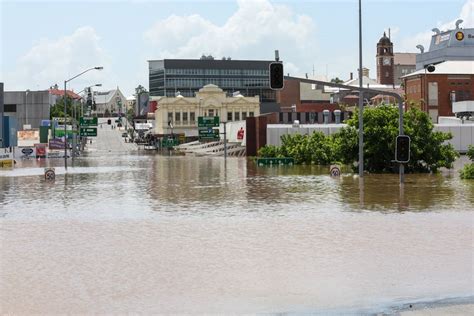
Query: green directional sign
89, 131
88, 121
208, 121
208, 134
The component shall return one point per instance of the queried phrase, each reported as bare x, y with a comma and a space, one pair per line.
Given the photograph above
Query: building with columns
180, 113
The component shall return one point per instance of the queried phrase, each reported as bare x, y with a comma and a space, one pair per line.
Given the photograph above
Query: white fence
463, 134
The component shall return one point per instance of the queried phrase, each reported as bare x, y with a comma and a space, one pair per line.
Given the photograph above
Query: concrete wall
275, 131
31, 107
463, 134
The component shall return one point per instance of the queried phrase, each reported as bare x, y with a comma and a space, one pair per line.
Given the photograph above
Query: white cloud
254, 31
424, 38
53, 61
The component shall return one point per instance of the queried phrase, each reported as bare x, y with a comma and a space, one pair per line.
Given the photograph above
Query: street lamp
26, 105
361, 100
86, 89
65, 110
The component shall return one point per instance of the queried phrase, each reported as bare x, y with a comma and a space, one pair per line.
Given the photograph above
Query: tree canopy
429, 152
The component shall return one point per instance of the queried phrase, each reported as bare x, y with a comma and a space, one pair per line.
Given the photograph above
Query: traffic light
276, 76
402, 149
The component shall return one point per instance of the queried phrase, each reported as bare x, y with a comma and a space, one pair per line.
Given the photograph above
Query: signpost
205, 125
88, 131
88, 121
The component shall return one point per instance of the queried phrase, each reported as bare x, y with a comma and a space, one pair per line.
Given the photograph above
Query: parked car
124, 135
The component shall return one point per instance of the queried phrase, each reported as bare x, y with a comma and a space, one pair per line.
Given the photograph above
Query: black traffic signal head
276, 76
402, 149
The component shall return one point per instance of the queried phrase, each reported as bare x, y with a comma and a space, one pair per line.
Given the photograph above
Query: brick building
436, 91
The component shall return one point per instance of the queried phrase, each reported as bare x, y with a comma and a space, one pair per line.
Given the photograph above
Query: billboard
56, 143
28, 137
27, 152
40, 150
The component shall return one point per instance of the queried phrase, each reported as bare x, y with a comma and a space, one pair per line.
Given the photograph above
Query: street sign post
89, 131
205, 125
88, 121
208, 121
209, 134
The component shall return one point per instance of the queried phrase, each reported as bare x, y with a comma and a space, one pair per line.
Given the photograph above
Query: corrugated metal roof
452, 67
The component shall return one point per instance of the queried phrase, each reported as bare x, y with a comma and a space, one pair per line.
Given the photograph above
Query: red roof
70, 93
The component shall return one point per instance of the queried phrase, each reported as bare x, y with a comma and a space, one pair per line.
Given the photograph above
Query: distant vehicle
119, 124
124, 134
117, 121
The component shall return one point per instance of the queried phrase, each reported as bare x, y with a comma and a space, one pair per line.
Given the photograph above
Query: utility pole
361, 100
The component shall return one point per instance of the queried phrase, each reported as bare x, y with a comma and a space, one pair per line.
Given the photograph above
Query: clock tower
385, 61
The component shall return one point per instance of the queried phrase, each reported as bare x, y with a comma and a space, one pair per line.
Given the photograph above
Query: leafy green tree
428, 150
336, 80
57, 110
467, 172
316, 148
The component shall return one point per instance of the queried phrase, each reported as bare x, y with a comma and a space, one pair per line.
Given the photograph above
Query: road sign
275, 161
89, 131
208, 121
88, 121
208, 134
335, 171
49, 174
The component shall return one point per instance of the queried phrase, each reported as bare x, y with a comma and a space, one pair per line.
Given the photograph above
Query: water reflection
205, 184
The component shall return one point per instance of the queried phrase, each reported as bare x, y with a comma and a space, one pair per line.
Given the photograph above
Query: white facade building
113, 101
181, 113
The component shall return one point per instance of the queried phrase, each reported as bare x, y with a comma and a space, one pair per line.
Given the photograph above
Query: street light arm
98, 68
343, 86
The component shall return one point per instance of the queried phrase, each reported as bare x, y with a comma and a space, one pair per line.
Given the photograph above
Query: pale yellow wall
209, 98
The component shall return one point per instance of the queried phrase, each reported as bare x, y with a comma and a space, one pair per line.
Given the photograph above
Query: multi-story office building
187, 76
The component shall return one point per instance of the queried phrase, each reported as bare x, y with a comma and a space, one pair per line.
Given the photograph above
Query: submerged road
108, 139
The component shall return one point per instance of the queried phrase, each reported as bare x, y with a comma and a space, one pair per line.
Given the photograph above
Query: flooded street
181, 234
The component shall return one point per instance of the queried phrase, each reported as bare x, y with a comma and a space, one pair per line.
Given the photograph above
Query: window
237, 116
170, 117
177, 117
229, 116
251, 114
185, 118
192, 117
433, 93
244, 115
210, 112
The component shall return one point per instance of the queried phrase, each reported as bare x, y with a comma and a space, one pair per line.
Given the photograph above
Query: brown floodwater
184, 234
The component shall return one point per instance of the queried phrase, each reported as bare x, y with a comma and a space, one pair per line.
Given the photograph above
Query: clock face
386, 61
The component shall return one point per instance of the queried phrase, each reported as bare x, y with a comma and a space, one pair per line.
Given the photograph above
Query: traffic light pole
360, 89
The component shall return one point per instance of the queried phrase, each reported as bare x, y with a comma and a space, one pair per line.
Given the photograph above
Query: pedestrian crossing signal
402, 149
276, 76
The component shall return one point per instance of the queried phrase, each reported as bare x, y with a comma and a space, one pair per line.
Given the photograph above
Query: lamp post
361, 100
26, 105
86, 89
65, 110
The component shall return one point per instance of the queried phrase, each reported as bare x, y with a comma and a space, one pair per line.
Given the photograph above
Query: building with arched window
180, 114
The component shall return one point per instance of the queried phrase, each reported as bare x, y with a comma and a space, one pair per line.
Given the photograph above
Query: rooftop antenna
277, 55
389, 33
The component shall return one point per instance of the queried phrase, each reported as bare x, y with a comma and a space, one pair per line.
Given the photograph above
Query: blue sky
46, 42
